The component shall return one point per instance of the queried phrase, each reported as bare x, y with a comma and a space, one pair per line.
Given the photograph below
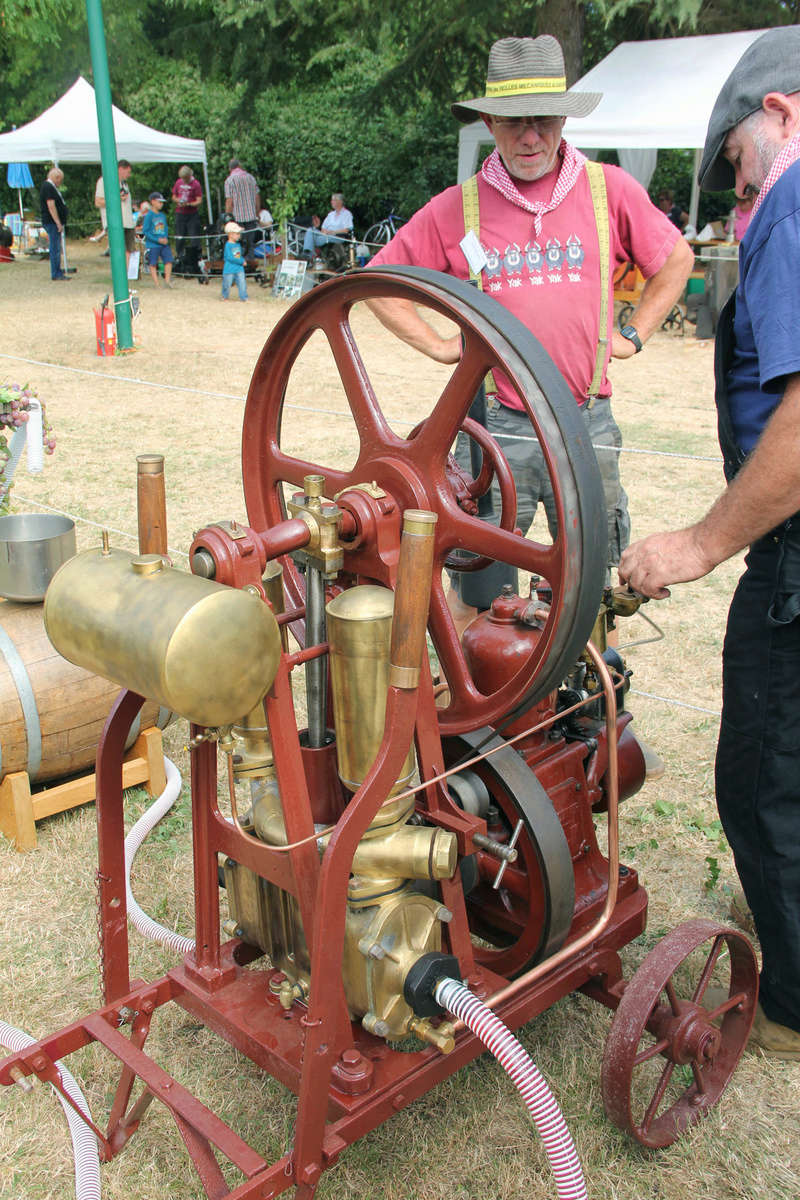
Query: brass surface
150, 464
419, 521
359, 636
322, 549
206, 651
382, 942
253, 755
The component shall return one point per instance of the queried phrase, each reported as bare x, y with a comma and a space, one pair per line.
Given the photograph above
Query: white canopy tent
67, 132
656, 95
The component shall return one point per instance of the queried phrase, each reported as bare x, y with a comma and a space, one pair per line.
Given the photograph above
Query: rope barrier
327, 412
712, 712
133, 537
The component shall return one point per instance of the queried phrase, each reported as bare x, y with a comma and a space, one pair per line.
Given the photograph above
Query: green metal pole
108, 158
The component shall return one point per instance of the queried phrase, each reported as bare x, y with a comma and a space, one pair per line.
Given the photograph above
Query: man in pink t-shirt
540, 258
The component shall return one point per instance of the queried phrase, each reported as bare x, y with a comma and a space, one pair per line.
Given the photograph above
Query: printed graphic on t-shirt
514, 267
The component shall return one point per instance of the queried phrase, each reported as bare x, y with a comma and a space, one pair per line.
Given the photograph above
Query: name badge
473, 252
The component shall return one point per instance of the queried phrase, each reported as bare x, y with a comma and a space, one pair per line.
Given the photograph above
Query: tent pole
694, 202
208, 193
108, 158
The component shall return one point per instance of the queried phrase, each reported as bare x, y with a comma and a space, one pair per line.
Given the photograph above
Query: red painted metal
664, 1020
347, 1081
412, 471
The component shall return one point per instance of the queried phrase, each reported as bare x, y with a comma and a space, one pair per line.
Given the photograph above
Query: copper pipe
471, 762
151, 504
574, 948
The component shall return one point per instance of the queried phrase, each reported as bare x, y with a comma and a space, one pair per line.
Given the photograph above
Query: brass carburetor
389, 924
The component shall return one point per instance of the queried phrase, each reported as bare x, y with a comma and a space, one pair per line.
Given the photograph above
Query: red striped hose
524, 1074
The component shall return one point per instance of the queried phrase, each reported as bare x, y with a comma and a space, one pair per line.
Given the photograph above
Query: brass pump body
389, 925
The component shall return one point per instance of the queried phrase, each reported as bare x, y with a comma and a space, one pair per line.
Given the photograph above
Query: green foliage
316, 96
712, 873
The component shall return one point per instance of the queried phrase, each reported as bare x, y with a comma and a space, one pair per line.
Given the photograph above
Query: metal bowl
32, 548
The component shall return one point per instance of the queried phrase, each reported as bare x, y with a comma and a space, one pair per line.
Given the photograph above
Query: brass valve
323, 550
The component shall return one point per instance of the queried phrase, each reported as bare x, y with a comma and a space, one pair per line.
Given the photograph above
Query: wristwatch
630, 333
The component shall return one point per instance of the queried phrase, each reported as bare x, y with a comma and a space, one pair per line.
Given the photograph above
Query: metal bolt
376, 950
443, 914
351, 1058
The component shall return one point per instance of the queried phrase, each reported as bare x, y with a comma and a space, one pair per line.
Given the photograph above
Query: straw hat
526, 78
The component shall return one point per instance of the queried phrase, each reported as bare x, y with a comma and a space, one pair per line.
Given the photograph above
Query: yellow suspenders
472, 221
597, 185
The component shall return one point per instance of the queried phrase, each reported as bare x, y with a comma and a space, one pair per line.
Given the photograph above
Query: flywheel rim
493, 337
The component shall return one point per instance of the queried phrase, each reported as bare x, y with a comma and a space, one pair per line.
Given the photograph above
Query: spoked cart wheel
670, 1052
418, 471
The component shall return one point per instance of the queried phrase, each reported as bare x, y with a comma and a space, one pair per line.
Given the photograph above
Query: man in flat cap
537, 212
753, 143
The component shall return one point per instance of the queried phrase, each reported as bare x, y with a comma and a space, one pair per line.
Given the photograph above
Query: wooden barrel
51, 713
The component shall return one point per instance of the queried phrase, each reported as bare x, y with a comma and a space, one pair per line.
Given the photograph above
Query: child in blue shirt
233, 262
156, 242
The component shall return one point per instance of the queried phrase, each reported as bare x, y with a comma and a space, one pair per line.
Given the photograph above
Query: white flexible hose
539, 1100
158, 809
84, 1142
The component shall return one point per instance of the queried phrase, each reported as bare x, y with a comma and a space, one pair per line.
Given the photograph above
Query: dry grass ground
469, 1138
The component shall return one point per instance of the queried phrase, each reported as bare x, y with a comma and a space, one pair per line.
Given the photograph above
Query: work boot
772, 1039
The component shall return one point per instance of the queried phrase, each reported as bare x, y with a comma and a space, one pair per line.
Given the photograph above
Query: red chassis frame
347, 1081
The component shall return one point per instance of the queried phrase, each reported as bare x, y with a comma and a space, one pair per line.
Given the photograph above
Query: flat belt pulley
418, 471
529, 916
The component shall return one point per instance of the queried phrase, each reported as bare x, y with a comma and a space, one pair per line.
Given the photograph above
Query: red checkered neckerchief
496, 175
783, 160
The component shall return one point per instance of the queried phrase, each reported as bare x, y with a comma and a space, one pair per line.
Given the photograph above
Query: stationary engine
426, 810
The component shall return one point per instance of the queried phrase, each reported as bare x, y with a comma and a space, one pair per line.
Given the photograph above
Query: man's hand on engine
664, 558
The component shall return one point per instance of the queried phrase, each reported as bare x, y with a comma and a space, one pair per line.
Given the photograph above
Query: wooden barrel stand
20, 808
52, 714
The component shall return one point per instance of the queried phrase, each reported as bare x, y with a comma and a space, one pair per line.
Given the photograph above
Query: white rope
134, 537
330, 412
712, 712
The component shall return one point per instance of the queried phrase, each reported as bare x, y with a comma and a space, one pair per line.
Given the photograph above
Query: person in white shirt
337, 226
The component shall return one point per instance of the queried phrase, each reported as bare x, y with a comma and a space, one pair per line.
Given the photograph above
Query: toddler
156, 242
233, 262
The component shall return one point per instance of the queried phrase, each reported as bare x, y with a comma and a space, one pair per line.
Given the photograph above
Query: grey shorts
514, 434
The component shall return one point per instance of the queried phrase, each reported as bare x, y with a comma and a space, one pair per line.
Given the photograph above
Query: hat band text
518, 87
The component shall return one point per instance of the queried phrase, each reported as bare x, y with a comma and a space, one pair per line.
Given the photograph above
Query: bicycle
383, 231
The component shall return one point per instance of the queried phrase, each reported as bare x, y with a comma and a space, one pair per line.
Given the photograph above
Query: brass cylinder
151, 504
206, 651
359, 637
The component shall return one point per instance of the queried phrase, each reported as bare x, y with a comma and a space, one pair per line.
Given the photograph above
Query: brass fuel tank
206, 651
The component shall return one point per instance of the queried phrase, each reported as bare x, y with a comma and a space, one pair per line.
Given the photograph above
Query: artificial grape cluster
15, 405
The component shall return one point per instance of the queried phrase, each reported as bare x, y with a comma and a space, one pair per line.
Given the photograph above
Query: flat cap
771, 64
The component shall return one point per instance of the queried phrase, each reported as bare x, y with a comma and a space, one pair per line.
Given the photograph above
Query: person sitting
666, 202
156, 240
337, 226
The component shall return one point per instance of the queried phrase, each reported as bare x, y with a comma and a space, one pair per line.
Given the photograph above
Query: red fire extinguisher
105, 329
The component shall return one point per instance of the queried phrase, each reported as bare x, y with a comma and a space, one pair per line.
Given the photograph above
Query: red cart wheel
668, 1058
413, 472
